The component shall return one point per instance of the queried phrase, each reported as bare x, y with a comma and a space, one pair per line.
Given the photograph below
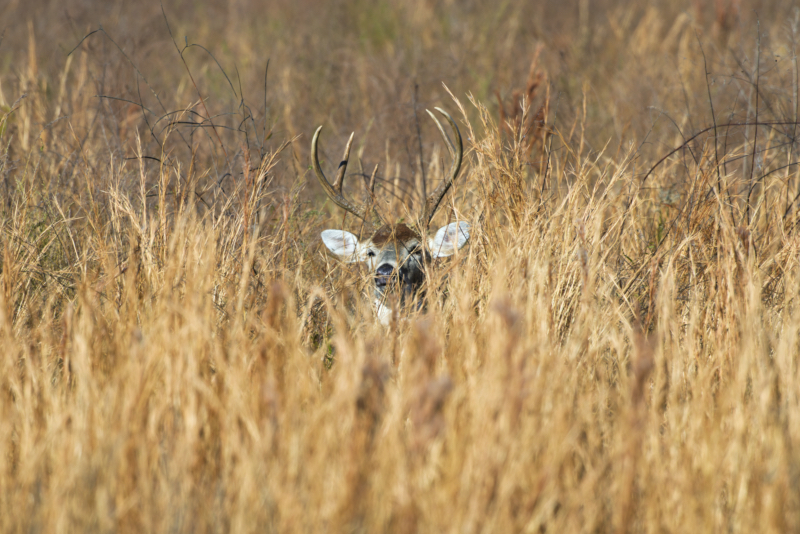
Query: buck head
395, 254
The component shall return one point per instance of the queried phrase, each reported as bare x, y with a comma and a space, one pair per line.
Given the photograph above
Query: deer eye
370, 254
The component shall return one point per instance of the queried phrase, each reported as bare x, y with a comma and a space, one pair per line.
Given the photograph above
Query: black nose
384, 270
383, 273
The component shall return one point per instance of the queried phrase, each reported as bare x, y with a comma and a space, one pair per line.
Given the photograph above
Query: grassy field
615, 351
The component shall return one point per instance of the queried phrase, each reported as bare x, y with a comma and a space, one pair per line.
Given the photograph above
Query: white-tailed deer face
395, 255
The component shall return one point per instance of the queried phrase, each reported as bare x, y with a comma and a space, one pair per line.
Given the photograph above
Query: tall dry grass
615, 351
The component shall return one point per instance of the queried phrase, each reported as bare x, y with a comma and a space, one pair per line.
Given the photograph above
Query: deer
396, 255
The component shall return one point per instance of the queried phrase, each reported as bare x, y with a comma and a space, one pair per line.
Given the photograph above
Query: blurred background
631, 73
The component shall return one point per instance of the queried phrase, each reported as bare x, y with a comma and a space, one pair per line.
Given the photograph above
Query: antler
457, 151
334, 191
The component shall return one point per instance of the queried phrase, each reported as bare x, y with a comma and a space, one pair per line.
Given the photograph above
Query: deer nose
383, 274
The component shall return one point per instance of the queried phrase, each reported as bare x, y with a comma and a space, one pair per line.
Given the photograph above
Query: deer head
395, 254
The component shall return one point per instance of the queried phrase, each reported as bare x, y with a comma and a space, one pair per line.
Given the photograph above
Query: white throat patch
383, 312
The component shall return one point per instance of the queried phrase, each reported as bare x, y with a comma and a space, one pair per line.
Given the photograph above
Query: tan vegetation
615, 351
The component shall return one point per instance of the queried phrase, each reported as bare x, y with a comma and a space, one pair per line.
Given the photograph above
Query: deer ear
449, 239
342, 244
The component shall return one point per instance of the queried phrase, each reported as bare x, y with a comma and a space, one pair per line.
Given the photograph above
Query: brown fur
399, 232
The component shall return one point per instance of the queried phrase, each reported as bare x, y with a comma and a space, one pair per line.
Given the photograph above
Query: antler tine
446, 137
457, 151
334, 191
337, 185
376, 217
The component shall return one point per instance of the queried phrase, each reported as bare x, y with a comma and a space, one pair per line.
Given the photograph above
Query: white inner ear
342, 244
449, 239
